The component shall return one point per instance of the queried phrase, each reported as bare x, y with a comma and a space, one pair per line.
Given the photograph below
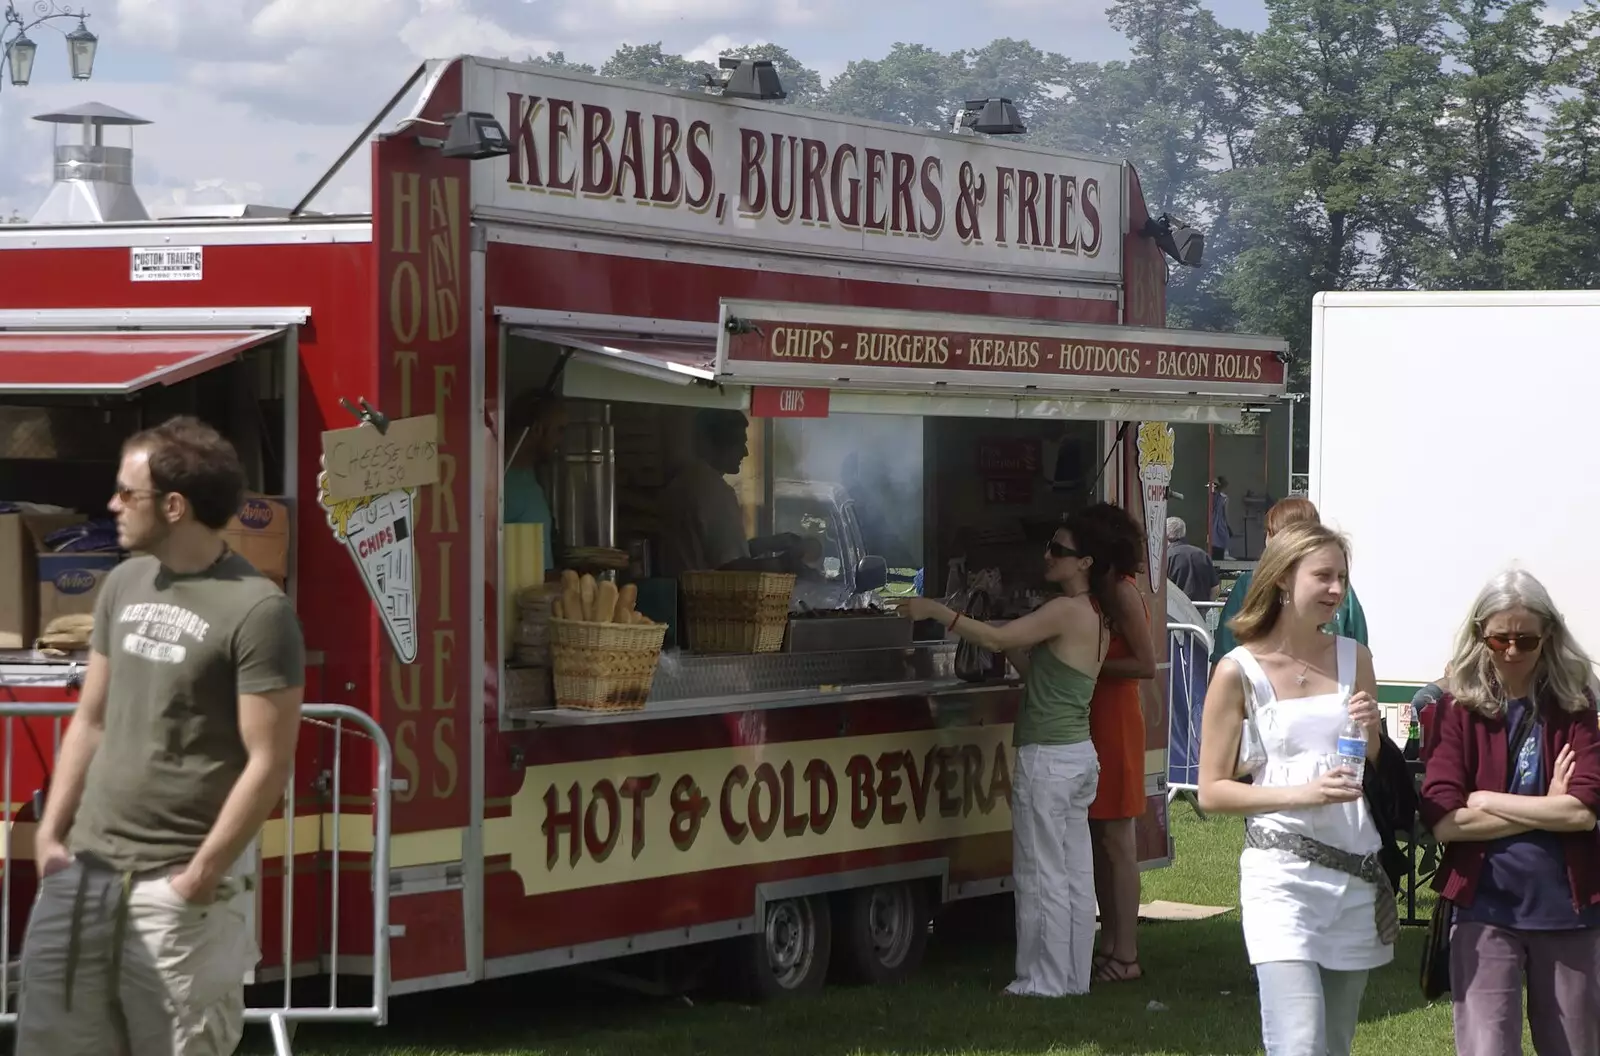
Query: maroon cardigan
1469, 753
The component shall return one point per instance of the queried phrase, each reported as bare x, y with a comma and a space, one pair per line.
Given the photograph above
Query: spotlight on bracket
747, 79
989, 117
475, 135
1184, 244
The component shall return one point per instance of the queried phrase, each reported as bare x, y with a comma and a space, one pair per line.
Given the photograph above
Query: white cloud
253, 99
199, 148
716, 46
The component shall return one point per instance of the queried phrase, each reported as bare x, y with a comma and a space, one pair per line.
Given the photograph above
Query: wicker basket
604, 666
736, 612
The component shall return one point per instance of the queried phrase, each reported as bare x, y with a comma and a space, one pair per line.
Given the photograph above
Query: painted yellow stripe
315, 832
312, 833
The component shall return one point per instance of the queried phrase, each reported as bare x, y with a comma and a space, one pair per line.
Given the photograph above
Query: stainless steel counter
688, 686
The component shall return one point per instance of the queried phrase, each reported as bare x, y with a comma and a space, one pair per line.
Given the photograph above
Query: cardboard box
261, 534
68, 584
19, 573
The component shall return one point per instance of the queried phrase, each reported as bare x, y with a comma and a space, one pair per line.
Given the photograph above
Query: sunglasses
1062, 550
126, 494
1525, 643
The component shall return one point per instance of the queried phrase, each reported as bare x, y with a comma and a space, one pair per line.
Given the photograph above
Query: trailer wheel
882, 932
790, 953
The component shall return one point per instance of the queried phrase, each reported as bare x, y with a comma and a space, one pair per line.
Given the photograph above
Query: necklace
1305, 666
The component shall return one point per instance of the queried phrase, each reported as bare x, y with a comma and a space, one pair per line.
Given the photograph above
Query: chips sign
362, 461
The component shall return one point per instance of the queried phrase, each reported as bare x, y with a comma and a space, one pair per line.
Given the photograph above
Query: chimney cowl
93, 182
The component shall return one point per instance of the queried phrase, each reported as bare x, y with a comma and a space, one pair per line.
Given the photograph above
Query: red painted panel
422, 202
434, 942
335, 280
525, 925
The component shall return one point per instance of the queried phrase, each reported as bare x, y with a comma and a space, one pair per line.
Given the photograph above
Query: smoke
878, 459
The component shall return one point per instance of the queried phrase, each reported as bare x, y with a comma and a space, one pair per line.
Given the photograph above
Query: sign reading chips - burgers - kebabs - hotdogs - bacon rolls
834, 349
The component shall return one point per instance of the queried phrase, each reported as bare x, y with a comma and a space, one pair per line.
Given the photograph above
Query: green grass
1196, 971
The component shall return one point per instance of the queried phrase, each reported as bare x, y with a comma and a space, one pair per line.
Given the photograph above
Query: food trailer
941, 343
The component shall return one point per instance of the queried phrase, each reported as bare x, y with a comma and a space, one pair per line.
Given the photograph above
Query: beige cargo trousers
120, 964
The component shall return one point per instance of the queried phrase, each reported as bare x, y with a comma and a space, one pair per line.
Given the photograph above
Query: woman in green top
1058, 648
1348, 622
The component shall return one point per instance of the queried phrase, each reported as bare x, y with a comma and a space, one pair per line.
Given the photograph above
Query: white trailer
1449, 436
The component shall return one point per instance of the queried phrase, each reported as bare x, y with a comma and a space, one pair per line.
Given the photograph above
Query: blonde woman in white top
1318, 913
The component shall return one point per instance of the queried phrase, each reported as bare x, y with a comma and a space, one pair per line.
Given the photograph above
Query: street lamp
20, 50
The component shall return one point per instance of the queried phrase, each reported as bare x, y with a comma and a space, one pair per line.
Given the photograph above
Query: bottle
1353, 748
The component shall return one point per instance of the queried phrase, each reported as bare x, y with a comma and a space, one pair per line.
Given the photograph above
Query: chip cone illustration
1157, 450
378, 531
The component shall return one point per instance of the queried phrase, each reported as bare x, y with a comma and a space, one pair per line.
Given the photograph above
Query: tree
1482, 149
1345, 92
803, 84
1554, 241
1177, 108
912, 85
558, 60
647, 63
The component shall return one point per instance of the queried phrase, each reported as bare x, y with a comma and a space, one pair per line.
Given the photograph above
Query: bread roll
587, 591
627, 598
605, 603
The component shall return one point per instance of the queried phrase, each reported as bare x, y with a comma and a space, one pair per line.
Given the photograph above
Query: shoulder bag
1252, 750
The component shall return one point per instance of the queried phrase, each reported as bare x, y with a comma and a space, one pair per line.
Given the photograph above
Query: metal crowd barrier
1189, 653
283, 1017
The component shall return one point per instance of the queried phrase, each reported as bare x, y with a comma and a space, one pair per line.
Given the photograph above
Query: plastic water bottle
1353, 748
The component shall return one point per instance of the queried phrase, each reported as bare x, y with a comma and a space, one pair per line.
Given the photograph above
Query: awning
676, 360
114, 363
890, 351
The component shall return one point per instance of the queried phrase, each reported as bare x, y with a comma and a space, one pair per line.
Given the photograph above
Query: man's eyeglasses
125, 494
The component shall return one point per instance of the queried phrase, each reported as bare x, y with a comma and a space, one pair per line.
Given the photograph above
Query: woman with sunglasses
1317, 910
1512, 791
1058, 648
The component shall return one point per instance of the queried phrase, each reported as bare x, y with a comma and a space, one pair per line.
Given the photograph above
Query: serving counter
687, 685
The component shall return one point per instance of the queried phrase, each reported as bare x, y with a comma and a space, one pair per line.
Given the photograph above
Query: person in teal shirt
533, 429
1348, 622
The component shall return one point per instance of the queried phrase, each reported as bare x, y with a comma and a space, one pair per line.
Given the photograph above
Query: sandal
1124, 972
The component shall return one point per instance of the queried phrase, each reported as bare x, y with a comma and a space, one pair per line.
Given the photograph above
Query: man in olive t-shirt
178, 751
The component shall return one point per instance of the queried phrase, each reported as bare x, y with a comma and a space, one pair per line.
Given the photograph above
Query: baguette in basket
583, 600
605, 652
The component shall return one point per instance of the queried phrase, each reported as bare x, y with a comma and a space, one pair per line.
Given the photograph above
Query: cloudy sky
252, 99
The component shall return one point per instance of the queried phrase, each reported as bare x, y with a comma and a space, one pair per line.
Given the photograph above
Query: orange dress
1116, 726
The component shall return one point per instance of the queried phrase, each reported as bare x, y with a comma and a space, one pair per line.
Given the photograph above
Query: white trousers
1052, 868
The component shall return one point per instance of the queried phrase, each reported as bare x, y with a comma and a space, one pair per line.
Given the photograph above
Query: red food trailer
981, 321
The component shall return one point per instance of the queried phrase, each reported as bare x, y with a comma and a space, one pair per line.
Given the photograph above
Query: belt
1361, 866
119, 931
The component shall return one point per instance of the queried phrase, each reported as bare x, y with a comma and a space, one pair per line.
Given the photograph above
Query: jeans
1052, 868
1488, 966
1308, 1010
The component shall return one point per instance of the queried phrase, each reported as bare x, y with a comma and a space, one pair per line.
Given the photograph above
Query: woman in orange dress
1116, 726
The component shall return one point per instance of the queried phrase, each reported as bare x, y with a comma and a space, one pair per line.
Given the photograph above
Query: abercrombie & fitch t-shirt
182, 648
